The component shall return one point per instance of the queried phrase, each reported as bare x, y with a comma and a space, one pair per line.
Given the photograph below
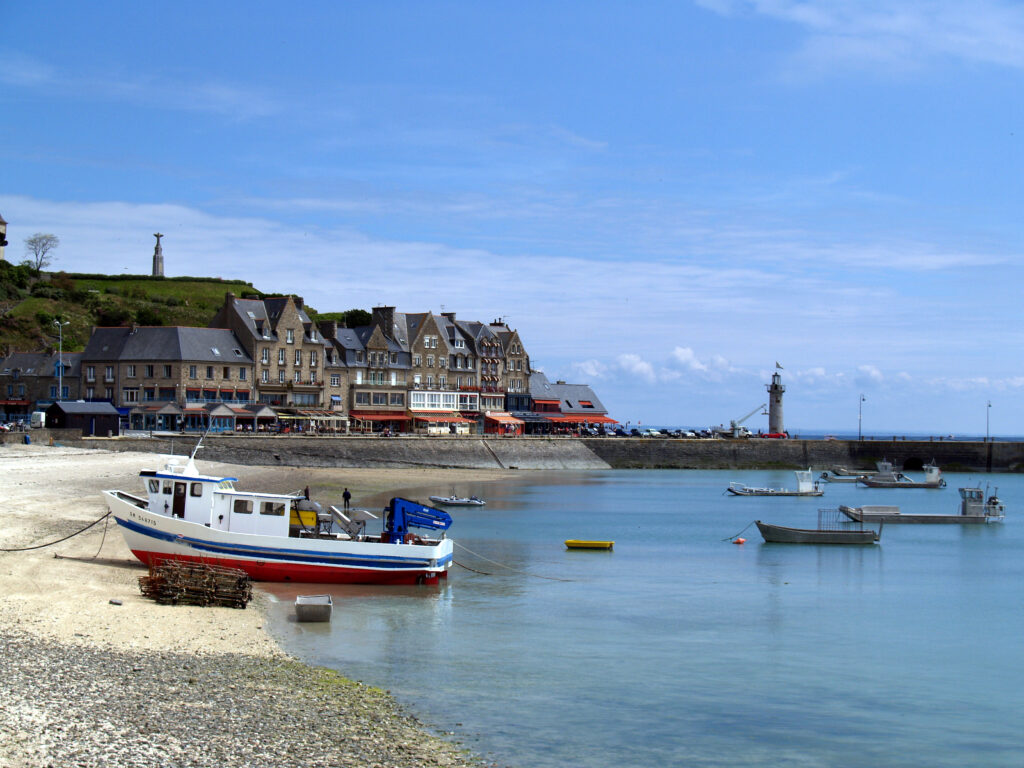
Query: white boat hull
154, 538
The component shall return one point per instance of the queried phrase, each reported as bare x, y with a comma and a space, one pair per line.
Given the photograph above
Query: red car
776, 434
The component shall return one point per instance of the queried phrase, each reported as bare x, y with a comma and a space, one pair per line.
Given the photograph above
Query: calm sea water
679, 648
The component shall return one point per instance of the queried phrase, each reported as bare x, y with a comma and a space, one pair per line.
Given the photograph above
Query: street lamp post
60, 357
988, 410
860, 417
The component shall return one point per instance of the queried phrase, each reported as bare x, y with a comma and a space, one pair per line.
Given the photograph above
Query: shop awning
377, 416
580, 418
502, 418
446, 418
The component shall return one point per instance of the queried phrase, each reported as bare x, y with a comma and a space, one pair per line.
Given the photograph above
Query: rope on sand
58, 541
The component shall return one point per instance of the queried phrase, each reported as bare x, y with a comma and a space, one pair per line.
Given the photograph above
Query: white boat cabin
179, 490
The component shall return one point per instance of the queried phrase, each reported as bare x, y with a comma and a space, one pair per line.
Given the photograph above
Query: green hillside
29, 305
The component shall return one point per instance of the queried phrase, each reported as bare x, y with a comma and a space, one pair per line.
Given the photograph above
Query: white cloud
591, 369
183, 94
637, 366
893, 33
870, 374
686, 357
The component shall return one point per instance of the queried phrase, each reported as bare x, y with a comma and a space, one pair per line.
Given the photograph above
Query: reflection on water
679, 648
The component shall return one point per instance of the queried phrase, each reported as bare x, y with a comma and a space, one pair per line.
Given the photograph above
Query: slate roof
99, 409
206, 345
569, 396
41, 364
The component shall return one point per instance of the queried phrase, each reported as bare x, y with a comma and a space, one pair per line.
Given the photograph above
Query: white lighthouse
775, 390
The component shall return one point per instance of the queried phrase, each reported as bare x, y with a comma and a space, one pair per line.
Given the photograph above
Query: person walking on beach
347, 497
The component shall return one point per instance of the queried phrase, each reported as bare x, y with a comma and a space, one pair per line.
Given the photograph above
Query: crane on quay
736, 428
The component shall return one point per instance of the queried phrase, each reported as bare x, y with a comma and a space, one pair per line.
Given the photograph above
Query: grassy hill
29, 304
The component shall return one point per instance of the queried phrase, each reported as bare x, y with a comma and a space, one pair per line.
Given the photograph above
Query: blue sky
664, 198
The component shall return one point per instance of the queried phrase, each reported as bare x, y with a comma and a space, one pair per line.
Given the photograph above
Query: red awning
447, 418
378, 416
503, 418
547, 402
579, 418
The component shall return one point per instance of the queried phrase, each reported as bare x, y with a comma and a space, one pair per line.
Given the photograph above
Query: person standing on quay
347, 497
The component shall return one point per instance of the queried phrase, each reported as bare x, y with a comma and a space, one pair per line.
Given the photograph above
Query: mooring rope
474, 570
58, 541
730, 538
509, 567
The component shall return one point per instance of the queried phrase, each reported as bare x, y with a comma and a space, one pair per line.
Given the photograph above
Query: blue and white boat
184, 515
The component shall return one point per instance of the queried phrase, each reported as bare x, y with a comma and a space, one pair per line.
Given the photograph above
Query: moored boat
458, 501
588, 544
887, 477
187, 516
313, 608
839, 478
974, 509
804, 487
780, 534
852, 472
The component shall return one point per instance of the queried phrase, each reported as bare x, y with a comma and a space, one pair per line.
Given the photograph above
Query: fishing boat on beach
188, 516
830, 530
887, 477
974, 508
458, 501
805, 486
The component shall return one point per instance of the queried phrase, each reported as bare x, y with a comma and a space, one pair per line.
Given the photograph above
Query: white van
38, 419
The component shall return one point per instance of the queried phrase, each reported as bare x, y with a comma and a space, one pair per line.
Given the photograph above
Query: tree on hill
38, 248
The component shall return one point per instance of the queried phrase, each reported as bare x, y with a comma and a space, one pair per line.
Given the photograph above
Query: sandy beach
56, 613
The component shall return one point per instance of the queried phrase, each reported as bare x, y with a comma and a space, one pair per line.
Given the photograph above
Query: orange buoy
739, 541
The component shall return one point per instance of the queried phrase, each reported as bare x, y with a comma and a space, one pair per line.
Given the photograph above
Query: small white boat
887, 477
458, 501
974, 508
804, 487
313, 608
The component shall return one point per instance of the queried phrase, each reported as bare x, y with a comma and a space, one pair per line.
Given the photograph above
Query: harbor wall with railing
559, 452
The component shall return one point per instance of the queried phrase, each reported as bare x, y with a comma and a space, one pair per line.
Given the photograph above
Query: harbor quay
552, 453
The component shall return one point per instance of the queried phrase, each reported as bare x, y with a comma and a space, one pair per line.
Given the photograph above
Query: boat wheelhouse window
272, 508
168, 487
197, 489
243, 506
154, 486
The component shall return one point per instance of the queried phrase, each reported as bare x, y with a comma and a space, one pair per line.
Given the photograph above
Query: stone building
31, 381
287, 349
170, 377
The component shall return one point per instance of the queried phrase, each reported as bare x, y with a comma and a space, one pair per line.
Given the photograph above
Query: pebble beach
95, 674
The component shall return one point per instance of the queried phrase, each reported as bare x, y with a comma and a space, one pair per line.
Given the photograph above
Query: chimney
384, 318
449, 315
329, 328
299, 303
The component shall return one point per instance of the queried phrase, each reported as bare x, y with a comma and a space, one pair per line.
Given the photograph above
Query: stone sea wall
563, 453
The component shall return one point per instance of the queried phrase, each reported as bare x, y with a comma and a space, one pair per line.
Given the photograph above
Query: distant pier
498, 452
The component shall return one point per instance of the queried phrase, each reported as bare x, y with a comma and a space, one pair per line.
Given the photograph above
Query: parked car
634, 432
650, 432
